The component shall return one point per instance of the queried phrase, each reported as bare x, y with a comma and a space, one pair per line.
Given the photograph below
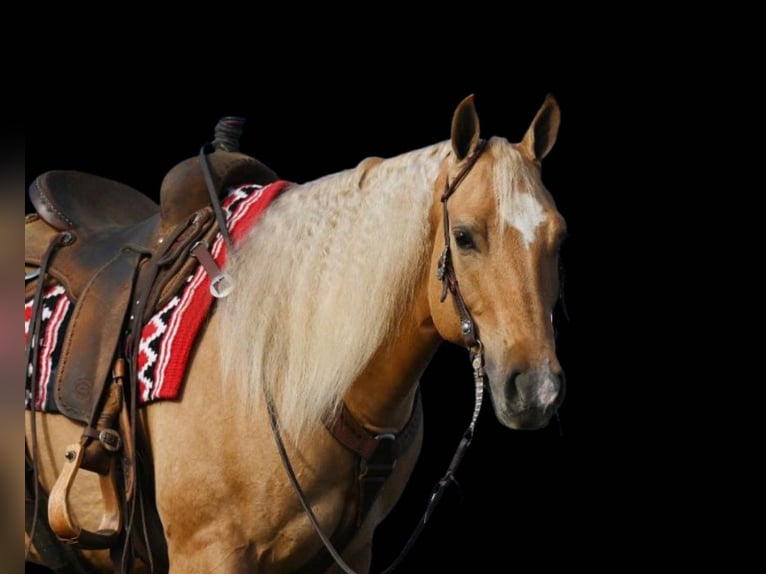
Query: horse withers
343, 291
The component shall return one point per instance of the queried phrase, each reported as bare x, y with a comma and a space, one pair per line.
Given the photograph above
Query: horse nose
543, 390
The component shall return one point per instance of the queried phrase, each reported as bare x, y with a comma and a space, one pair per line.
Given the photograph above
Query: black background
558, 496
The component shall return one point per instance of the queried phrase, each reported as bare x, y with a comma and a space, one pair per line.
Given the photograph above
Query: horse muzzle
526, 400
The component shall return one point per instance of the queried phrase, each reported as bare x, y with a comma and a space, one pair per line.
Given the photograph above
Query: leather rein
446, 274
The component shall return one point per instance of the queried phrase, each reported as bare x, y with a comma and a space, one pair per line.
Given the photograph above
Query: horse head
503, 237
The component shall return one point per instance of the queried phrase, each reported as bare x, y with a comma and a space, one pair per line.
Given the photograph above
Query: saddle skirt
168, 336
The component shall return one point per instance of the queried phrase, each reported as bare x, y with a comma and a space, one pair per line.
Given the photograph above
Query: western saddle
119, 256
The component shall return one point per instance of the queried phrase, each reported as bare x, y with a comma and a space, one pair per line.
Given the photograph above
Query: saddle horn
228, 131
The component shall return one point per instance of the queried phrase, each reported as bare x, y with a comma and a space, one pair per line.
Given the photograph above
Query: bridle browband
446, 274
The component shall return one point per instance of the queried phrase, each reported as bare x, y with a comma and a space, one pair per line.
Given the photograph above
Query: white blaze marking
525, 214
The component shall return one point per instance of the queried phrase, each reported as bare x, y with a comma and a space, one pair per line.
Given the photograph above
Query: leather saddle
111, 232
119, 256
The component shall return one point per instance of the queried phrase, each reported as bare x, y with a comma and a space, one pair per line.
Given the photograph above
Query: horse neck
383, 396
339, 268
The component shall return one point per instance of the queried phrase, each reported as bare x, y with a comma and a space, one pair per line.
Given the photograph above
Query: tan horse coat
373, 323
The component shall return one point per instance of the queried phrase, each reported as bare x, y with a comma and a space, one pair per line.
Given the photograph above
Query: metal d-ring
221, 285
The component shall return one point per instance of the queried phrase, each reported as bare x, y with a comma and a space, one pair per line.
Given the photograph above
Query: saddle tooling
115, 257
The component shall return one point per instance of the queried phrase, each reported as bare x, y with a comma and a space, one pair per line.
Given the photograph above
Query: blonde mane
321, 280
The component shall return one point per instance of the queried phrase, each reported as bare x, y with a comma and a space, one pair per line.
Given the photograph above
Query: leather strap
221, 283
377, 457
348, 431
31, 362
377, 453
213, 191
446, 271
354, 436
97, 456
110, 293
228, 130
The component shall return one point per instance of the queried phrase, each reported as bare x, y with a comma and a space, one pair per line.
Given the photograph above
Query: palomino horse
344, 290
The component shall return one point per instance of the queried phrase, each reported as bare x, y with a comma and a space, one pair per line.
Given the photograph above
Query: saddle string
446, 274
31, 361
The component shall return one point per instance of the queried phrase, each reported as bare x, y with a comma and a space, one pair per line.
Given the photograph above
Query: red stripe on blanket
180, 320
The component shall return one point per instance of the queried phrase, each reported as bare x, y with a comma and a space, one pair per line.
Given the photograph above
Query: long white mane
320, 282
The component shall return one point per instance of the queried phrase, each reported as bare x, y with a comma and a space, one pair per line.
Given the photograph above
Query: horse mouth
530, 418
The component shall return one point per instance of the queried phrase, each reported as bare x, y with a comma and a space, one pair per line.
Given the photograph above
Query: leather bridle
446, 270
446, 274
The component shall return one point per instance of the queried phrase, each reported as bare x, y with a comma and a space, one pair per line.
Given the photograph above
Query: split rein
445, 274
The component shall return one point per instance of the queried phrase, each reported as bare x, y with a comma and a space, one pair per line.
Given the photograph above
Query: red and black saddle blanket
168, 337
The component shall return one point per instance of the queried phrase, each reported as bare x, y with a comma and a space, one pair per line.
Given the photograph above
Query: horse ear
465, 129
542, 133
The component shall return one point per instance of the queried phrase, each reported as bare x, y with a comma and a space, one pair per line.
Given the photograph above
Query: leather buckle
382, 461
110, 439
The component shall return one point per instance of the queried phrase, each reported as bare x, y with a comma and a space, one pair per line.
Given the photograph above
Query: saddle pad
168, 337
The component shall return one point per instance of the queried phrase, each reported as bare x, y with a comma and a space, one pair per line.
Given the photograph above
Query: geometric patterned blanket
168, 337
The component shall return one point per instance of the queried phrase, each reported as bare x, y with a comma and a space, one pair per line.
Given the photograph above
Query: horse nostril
535, 389
510, 388
520, 388
526, 385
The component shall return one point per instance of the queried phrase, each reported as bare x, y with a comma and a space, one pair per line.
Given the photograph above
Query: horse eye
464, 239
